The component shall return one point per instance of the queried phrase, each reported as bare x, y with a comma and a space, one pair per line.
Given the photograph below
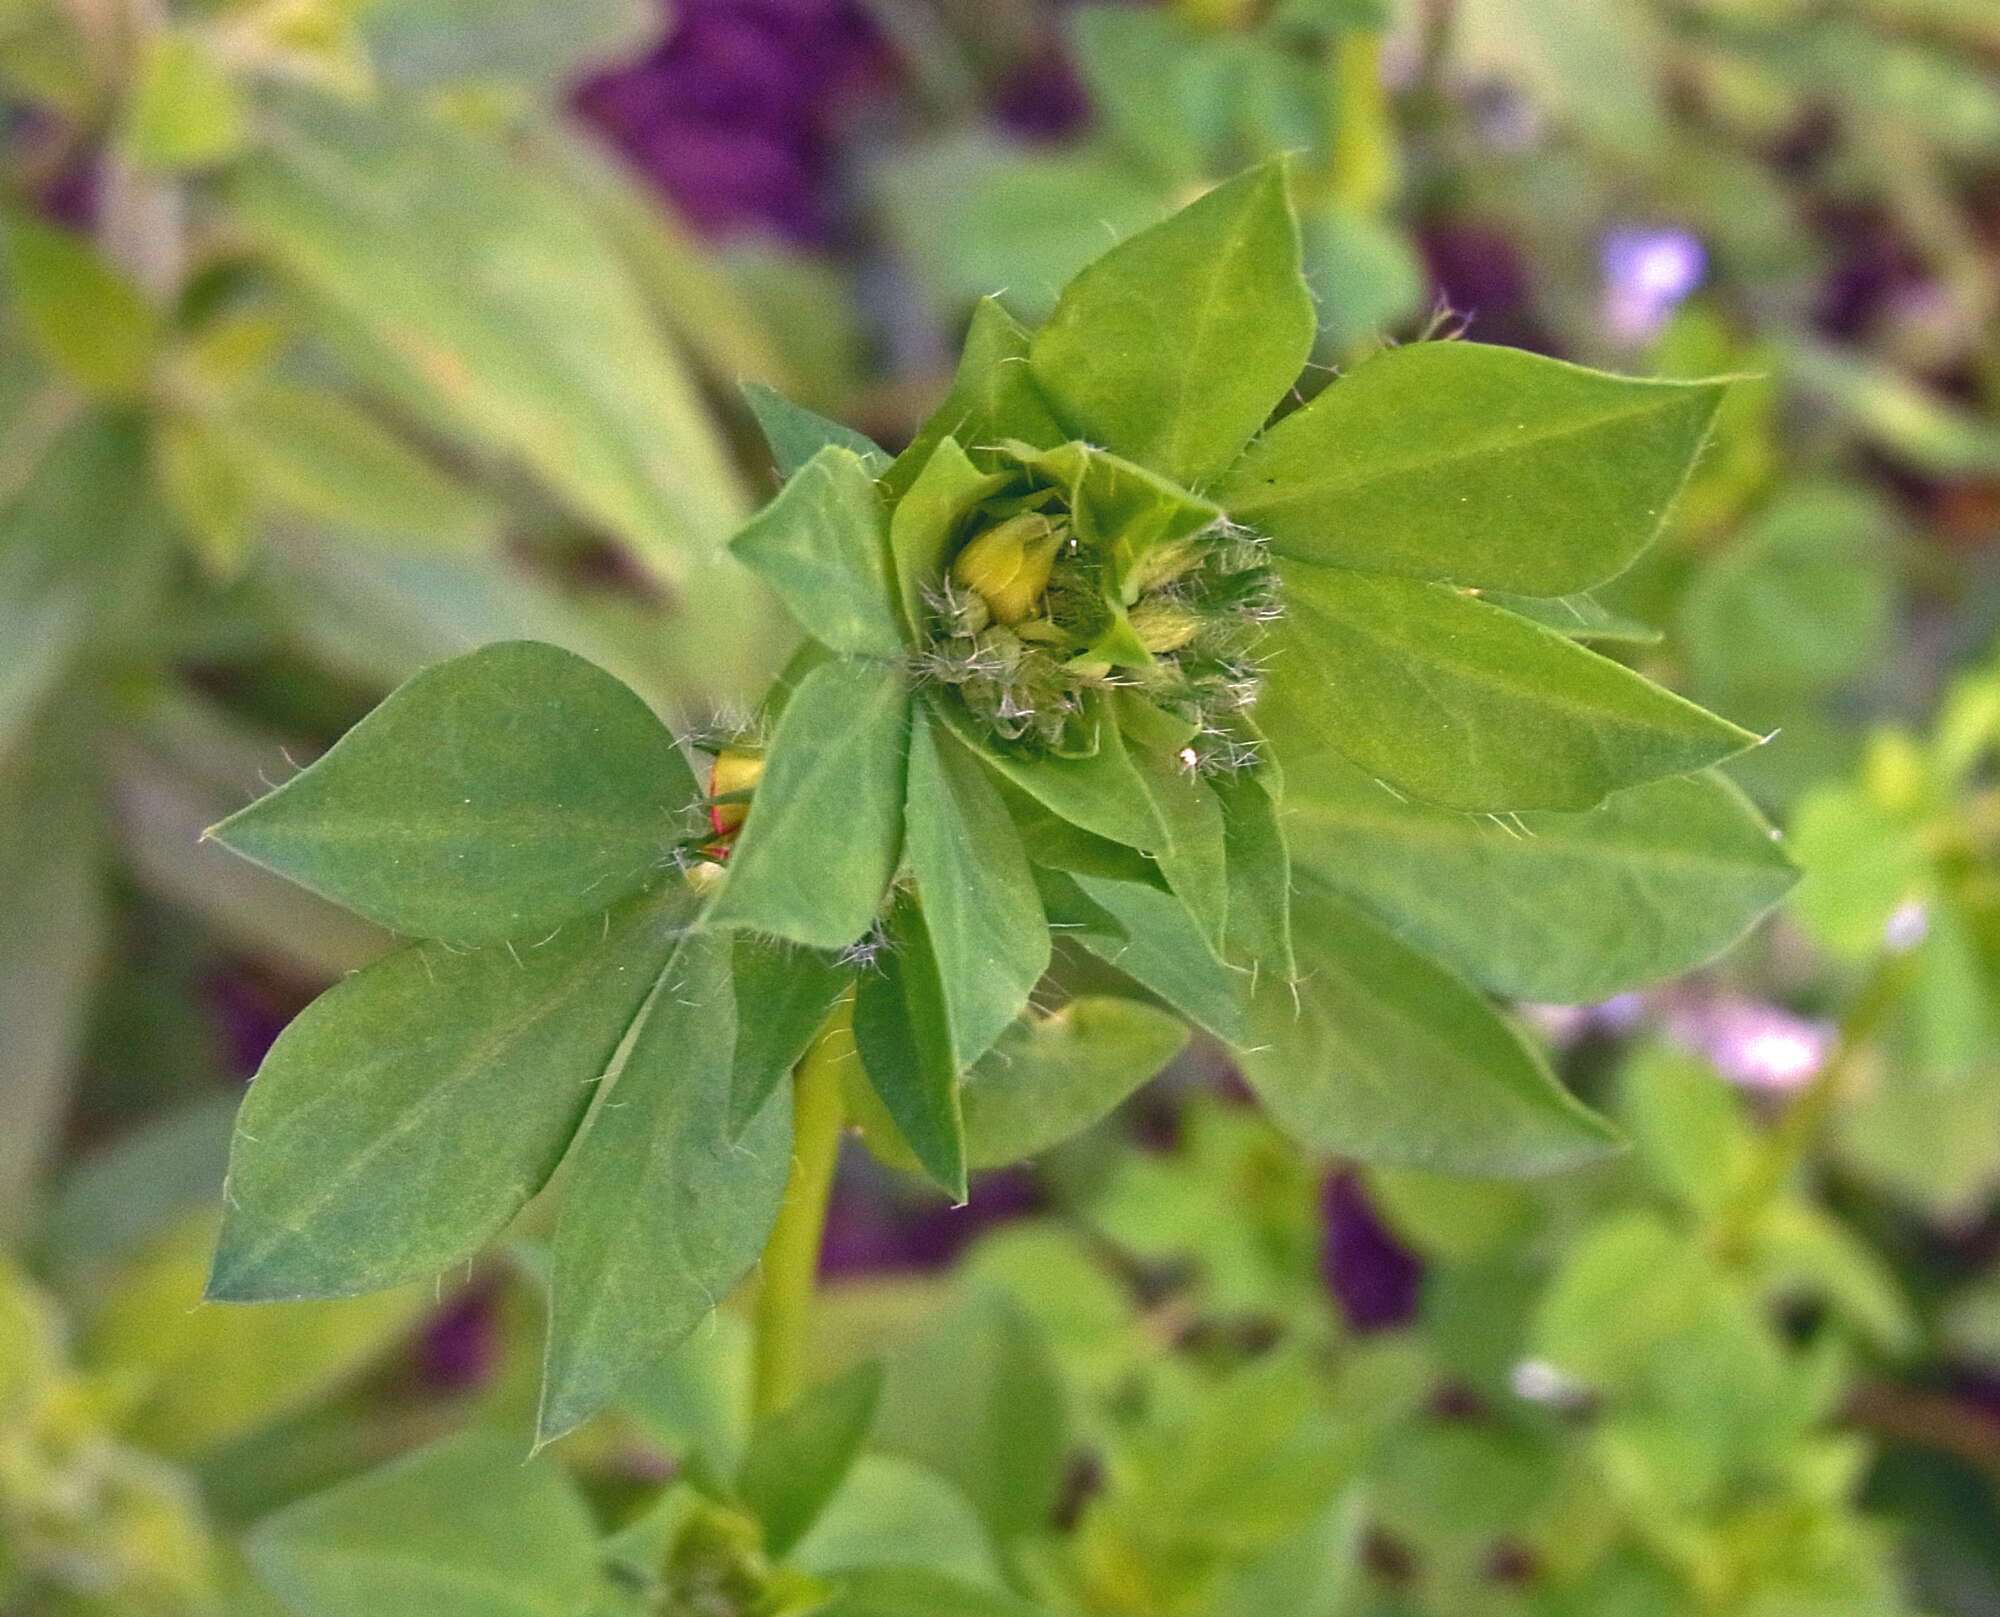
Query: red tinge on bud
734, 771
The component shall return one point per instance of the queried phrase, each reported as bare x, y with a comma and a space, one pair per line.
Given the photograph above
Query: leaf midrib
441, 1095
1496, 676
1380, 468
1616, 853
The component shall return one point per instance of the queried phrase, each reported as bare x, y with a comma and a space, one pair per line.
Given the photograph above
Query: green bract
1104, 661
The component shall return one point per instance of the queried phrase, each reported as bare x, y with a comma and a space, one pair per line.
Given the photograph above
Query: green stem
791, 1256
1785, 1149
1361, 172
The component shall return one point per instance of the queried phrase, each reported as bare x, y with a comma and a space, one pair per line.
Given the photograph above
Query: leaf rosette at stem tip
1126, 581
1134, 647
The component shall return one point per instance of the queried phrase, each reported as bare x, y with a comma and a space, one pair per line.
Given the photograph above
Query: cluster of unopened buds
1025, 625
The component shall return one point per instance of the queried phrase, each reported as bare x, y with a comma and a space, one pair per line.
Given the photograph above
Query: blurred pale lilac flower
1540, 1382
1907, 928
1507, 120
1755, 1045
1565, 1025
1648, 272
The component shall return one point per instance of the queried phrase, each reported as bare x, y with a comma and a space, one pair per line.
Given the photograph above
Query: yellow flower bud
1009, 565
1162, 626
1161, 565
734, 771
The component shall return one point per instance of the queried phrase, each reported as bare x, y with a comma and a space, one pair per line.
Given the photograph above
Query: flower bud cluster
1030, 619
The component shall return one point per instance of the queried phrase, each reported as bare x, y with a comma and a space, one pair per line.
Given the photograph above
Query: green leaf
911, 1591
1468, 705
407, 1114
975, 212
317, 454
1950, 1010
1260, 872
825, 831
186, 110
492, 797
1238, 1467
896, 1512
1369, 274
663, 1212
1101, 794
799, 1456
1687, 1128
203, 481
89, 319
1164, 951
1621, 1293
1377, 1052
1601, 69
1075, 916
993, 397
695, 1403
488, 291
1578, 617
1051, 1077
460, 1529
822, 545
1862, 863
1153, 78
1319, 1569
441, 43
111, 1201
796, 434
1006, 1437
1481, 466
1174, 347
202, 1377
1053, 843
1191, 852
926, 518
784, 995
83, 547
1801, 1250
1124, 507
987, 930
902, 1028
1803, 600
52, 943
1565, 908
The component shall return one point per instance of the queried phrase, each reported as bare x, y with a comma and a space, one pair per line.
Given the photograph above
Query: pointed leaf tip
1174, 347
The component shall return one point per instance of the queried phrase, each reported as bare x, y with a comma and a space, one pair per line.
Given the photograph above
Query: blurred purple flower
1648, 272
734, 113
1753, 1044
1043, 100
460, 1345
879, 1223
250, 1012
1477, 272
1371, 1274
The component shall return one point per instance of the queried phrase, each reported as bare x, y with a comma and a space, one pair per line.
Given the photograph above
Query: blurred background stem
1791, 1140
141, 216
1361, 173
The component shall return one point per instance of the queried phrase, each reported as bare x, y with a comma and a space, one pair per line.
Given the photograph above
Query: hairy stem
791, 1257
